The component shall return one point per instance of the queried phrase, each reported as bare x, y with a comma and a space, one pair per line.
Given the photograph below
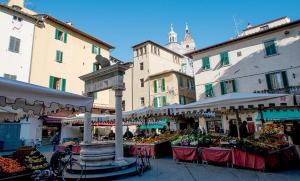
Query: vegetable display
10, 166
36, 161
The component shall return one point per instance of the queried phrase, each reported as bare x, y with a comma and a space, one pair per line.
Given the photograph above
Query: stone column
87, 132
119, 157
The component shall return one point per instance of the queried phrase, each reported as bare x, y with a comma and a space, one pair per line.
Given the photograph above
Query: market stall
39, 101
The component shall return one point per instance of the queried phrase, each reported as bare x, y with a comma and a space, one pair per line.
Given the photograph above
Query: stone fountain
104, 159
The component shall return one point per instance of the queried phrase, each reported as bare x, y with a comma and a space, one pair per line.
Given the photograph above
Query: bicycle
142, 161
62, 162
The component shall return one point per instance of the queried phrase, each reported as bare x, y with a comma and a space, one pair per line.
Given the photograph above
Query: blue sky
124, 23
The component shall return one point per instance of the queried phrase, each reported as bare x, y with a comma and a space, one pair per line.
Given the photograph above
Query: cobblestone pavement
168, 170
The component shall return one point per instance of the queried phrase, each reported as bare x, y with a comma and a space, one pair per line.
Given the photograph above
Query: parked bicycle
62, 163
142, 161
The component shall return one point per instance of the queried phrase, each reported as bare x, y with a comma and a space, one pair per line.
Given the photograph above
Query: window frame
204, 63
15, 41
265, 48
141, 65
142, 82
142, 101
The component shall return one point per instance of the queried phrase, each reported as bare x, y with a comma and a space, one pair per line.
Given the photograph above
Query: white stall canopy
39, 100
237, 101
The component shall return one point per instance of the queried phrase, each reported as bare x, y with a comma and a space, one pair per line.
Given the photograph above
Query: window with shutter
94, 67
269, 83
223, 88
277, 80
285, 79
209, 90
164, 100
224, 58
63, 84
270, 48
65, 37
59, 56
60, 35
51, 82
14, 44
155, 86
155, 102
205, 63
163, 87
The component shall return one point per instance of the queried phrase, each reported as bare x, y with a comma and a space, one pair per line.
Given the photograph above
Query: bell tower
188, 44
172, 35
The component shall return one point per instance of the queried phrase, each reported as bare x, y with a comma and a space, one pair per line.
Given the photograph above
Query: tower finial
172, 29
186, 27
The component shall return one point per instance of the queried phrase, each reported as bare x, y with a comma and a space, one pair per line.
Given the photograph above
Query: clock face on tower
17, 23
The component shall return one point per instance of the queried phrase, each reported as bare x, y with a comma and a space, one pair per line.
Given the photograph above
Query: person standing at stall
128, 134
243, 130
111, 135
295, 135
232, 130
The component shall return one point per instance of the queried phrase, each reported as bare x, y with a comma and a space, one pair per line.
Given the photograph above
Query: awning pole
261, 117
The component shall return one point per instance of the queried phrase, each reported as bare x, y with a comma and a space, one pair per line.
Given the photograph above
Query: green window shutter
269, 82
63, 84
56, 34
57, 56
51, 82
65, 37
163, 87
93, 48
208, 90
98, 50
94, 67
233, 86
164, 100
205, 63
155, 86
223, 88
155, 102
61, 56
285, 79
224, 58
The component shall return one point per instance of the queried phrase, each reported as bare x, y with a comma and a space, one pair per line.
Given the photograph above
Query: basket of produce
36, 161
10, 167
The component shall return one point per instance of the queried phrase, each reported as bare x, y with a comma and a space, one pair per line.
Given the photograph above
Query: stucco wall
252, 65
77, 59
15, 63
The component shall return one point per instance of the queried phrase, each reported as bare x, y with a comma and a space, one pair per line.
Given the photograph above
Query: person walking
232, 130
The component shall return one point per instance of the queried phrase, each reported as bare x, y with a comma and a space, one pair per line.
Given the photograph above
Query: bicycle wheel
139, 166
69, 169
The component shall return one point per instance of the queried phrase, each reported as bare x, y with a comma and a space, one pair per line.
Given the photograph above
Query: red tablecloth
218, 155
248, 160
75, 148
185, 153
153, 150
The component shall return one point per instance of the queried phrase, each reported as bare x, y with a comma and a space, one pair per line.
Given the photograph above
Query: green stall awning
151, 127
280, 115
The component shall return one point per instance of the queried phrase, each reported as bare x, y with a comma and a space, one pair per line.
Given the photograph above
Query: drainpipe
32, 47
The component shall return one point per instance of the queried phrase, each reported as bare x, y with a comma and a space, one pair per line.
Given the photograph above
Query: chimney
18, 4
69, 23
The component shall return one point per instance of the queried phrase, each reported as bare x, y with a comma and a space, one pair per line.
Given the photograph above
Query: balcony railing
289, 90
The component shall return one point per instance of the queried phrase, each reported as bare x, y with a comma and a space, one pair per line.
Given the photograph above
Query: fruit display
153, 140
193, 140
10, 166
36, 161
273, 129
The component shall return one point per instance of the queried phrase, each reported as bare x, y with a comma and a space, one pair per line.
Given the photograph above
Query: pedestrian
232, 130
111, 135
295, 135
128, 134
243, 130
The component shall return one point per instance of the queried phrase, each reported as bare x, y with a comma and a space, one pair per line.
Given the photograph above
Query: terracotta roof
65, 25
268, 22
19, 12
246, 37
168, 72
160, 46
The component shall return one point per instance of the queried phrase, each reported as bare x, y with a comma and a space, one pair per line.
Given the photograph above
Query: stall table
185, 153
154, 150
271, 161
217, 155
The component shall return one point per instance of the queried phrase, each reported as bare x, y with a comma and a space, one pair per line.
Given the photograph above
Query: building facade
262, 58
171, 87
151, 59
17, 33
